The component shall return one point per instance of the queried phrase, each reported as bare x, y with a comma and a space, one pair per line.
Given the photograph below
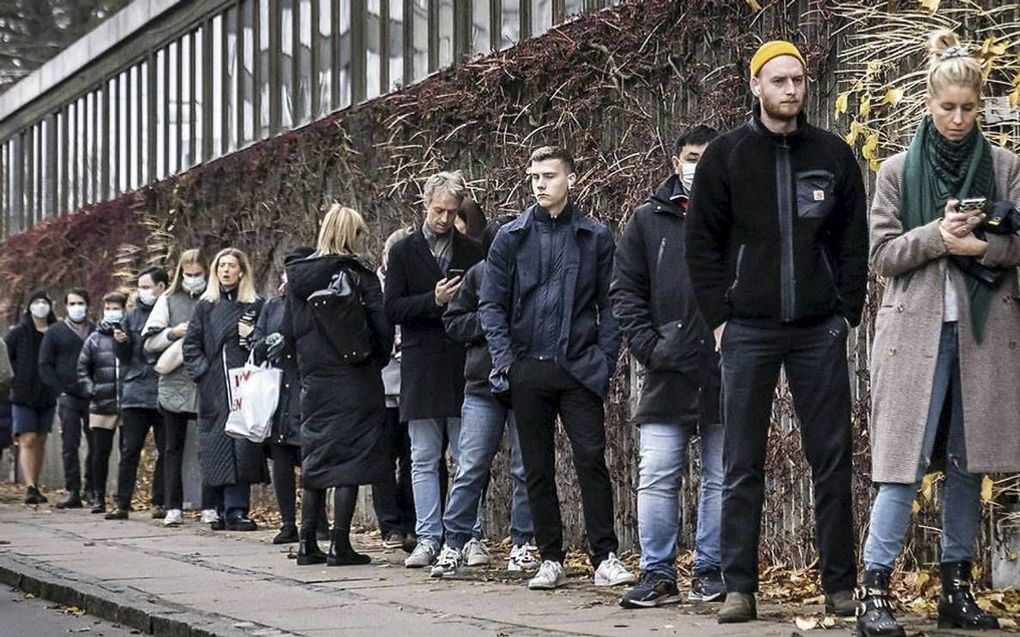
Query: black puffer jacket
99, 372
140, 382
27, 388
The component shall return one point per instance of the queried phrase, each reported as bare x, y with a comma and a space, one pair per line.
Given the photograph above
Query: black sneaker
653, 589
707, 586
73, 501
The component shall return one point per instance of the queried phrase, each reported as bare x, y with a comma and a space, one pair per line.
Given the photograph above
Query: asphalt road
22, 616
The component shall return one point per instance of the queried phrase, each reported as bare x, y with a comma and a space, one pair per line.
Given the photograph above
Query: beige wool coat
907, 331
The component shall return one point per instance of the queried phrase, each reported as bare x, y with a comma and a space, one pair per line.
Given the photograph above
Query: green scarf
936, 171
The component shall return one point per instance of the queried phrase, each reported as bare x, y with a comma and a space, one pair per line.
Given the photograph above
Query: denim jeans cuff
457, 540
667, 571
520, 540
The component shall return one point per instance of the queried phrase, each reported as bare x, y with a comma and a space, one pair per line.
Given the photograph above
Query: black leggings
345, 499
102, 446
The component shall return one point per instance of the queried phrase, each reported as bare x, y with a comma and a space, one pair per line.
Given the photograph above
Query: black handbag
342, 319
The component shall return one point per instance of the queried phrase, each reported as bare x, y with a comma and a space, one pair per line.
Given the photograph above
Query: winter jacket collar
666, 198
578, 222
800, 134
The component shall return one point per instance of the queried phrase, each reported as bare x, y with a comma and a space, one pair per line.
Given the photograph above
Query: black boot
874, 613
288, 534
341, 553
238, 521
957, 608
73, 501
308, 548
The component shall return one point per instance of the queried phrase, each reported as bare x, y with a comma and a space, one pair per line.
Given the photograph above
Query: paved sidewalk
192, 581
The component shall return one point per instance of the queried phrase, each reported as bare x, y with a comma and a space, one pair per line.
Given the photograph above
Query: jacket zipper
736, 273
658, 258
787, 278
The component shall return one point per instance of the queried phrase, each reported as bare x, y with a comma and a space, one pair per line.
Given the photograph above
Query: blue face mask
113, 316
77, 313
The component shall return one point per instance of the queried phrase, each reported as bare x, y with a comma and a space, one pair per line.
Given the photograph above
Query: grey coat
907, 331
177, 392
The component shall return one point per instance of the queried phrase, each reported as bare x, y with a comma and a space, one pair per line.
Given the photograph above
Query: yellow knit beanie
771, 50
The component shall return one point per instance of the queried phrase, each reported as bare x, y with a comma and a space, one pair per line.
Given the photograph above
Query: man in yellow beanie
777, 248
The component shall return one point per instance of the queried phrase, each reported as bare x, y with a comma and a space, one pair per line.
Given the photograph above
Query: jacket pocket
677, 348
736, 273
815, 194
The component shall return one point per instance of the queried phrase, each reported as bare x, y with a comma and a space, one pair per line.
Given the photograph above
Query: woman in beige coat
945, 349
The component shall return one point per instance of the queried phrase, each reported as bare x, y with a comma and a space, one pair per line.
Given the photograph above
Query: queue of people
751, 257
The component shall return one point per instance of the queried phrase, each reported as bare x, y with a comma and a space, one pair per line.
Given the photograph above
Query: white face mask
113, 316
40, 309
77, 313
194, 284
147, 297
687, 169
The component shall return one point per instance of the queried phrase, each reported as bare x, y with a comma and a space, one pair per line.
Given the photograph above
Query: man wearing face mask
139, 398
58, 367
657, 312
424, 272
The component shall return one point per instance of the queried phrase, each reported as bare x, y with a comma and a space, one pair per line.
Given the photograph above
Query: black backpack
341, 317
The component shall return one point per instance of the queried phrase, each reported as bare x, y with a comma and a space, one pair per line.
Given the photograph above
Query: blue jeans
663, 462
961, 504
483, 420
426, 454
236, 498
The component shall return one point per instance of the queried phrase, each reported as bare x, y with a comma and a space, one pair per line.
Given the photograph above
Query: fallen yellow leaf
806, 623
931, 5
892, 96
986, 490
870, 146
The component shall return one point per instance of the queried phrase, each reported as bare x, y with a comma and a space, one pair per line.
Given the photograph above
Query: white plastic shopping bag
254, 392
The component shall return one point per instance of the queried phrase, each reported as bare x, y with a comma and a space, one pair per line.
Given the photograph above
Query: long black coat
343, 406
212, 332
287, 419
432, 364
27, 388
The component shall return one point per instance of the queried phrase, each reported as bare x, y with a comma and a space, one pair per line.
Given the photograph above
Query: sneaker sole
545, 587
652, 603
484, 562
621, 582
695, 597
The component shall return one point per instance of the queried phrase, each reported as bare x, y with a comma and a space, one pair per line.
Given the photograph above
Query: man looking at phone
423, 274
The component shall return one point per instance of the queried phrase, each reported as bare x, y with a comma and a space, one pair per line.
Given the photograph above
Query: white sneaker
475, 553
550, 575
522, 559
174, 517
448, 562
209, 516
423, 555
612, 572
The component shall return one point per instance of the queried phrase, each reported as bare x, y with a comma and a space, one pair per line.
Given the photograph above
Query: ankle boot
73, 501
341, 553
308, 548
874, 613
957, 608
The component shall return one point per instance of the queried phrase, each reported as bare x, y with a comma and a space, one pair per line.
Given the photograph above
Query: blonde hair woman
943, 355
343, 406
216, 341
164, 332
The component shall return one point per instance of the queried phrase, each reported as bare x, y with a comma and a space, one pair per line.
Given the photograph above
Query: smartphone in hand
454, 273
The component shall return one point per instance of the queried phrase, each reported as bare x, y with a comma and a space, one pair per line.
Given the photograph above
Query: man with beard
777, 247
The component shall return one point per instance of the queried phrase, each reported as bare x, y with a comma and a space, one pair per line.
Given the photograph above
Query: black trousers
393, 500
815, 362
541, 390
134, 428
176, 433
102, 447
73, 422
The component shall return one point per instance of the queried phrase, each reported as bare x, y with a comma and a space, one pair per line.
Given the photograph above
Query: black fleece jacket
777, 228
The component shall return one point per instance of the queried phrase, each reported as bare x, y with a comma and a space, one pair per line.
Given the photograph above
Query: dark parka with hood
23, 344
658, 314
